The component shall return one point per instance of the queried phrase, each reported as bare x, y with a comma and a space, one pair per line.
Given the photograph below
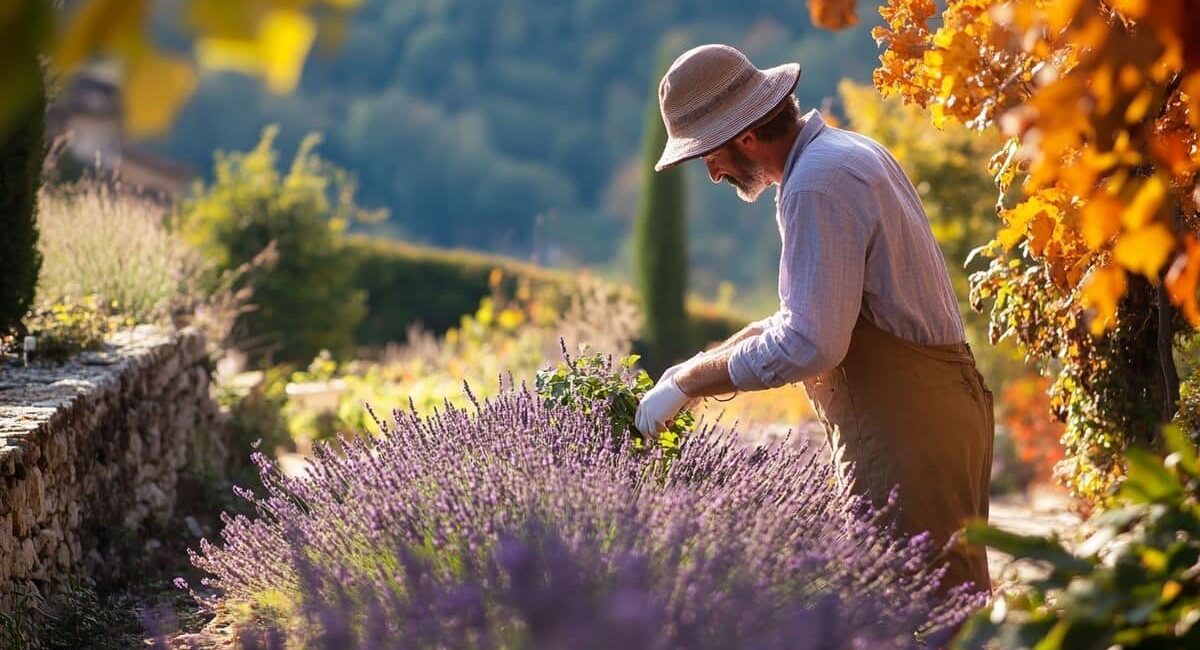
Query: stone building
84, 125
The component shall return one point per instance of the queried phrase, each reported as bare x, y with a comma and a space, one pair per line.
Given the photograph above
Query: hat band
691, 116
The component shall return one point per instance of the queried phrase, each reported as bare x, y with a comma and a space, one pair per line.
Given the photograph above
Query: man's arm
708, 373
822, 268
753, 329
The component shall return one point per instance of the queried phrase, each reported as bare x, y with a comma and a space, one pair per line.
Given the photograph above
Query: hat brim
780, 82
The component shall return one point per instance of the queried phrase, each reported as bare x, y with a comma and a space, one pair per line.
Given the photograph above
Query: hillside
511, 125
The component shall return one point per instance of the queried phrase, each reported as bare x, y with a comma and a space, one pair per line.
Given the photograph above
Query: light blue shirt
855, 241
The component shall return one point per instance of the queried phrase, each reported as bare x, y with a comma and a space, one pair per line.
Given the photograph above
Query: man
867, 317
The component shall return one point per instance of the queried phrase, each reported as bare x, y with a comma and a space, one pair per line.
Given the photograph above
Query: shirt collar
813, 125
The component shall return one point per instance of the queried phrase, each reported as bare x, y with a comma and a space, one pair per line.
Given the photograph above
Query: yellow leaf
155, 89
938, 114
510, 319
1101, 293
285, 38
1144, 250
1100, 219
99, 25
1170, 590
1146, 203
1138, 107
236, 54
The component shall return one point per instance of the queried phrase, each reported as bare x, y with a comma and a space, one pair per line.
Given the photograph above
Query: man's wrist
709, 375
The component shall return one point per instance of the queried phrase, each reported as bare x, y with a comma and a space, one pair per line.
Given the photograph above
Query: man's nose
713, 175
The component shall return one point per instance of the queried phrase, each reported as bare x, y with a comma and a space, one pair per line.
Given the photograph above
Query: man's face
746, 174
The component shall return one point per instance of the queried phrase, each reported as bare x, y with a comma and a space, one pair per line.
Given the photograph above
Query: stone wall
92, 450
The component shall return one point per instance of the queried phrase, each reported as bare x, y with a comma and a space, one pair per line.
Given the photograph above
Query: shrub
99, 240
1132, 584
407, 535
454, 283
65, 328
21, 153
504, 340
659, 242
304, 302
458, 280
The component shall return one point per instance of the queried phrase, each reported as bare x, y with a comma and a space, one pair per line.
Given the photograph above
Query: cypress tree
659, 244
22, 148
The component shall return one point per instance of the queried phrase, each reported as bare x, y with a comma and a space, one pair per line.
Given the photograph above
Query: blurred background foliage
515, 126
305, 301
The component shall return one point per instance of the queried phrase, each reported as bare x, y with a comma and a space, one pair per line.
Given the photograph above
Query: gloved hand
659, 406
674, 370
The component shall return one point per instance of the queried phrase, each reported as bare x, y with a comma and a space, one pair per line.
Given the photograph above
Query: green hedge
407, 284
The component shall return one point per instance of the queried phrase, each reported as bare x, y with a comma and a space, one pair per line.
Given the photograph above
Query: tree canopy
1098, 250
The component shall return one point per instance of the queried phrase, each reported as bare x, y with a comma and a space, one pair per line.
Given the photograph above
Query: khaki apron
920, 418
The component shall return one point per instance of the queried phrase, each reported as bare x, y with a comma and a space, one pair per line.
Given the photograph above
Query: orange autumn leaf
832, 14
1182, 278
1172, 149
1100, 219
1146, 204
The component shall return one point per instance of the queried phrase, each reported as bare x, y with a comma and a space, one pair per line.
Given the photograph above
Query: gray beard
749, 193
755, 182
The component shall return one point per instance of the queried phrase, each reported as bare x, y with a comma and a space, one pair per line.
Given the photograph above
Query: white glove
674, 370
659, 406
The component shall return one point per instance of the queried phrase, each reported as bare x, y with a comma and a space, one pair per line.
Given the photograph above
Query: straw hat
712, 93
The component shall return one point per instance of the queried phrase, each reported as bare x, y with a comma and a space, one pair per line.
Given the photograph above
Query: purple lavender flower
520, 525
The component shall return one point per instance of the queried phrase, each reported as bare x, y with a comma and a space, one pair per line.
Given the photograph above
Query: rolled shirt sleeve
821, 271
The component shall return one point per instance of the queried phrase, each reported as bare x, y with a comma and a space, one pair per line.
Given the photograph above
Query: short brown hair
785, 115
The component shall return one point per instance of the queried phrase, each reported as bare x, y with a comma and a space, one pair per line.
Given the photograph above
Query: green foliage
65, 328
388, 271
407, 285
76, 616
577, 383
256, 411
511, 125
97, 240
502, 337
1132, 584
1106, 388
21, 154
305, 302
660, 244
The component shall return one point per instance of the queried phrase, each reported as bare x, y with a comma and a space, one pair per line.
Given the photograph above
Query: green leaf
1183, 452
1148, 480
1027, 546
1054, 639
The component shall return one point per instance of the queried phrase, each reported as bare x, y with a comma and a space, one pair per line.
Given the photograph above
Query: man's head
717, 105
744, 161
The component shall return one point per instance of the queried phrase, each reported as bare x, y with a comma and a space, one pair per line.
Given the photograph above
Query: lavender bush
521, 524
